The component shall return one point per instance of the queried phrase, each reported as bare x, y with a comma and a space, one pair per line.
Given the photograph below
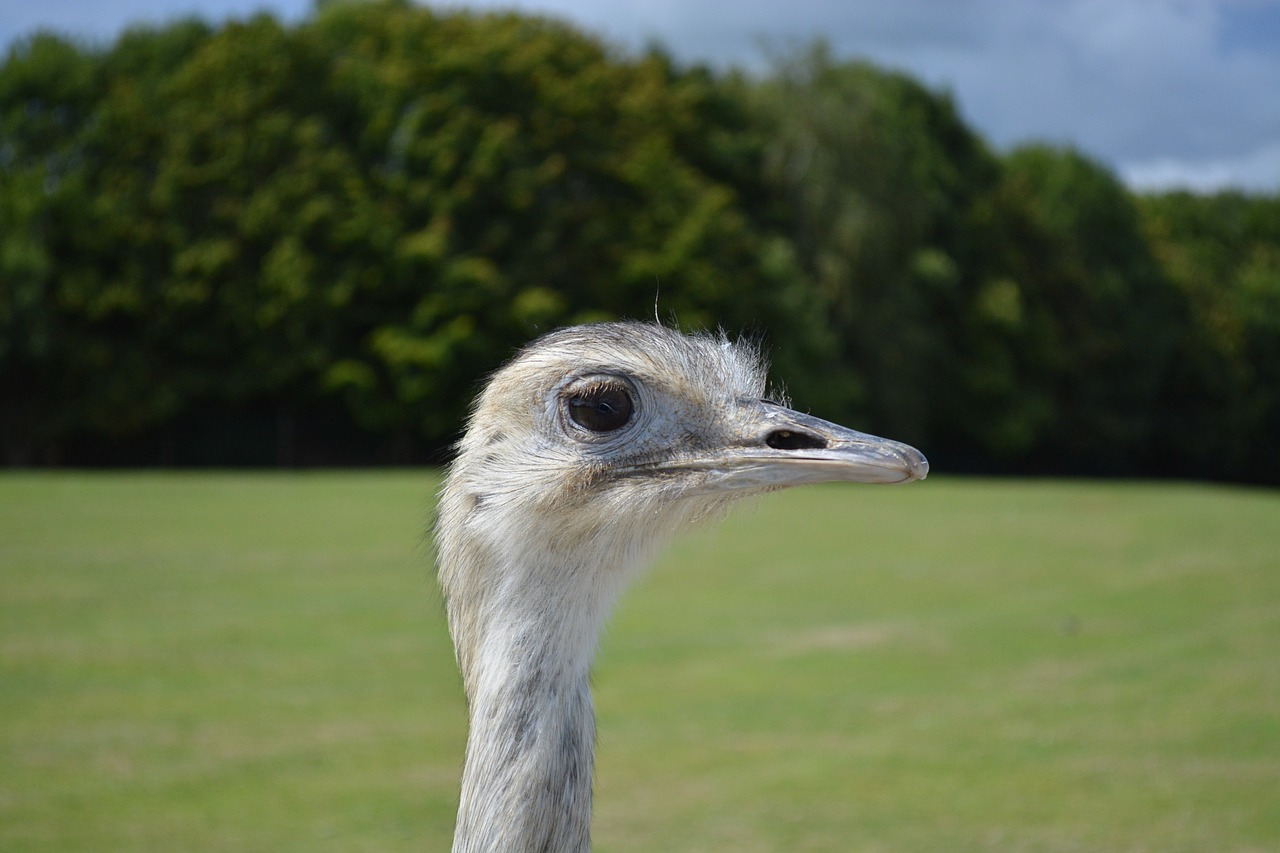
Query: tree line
317, 238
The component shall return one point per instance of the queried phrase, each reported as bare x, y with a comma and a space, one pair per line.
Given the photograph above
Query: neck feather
525, 612
526, 785
525, 642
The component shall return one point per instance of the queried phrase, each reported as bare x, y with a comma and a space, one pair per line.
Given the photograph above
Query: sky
1167, 93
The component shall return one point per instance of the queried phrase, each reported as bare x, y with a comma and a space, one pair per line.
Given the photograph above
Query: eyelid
597, 387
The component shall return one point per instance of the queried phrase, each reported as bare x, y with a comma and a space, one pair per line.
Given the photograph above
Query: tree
1095, 318
1220, 410
882, 181
48, 93
537, 180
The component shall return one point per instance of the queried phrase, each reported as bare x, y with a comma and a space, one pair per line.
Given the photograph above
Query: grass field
253, 662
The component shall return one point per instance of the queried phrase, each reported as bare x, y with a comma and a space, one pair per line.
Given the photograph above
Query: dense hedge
348, 221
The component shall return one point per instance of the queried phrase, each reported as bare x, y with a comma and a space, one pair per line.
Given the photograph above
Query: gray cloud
101, 21
1167, 92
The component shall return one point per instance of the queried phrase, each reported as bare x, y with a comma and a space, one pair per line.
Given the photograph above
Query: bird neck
526, 656
526, 783
525, 614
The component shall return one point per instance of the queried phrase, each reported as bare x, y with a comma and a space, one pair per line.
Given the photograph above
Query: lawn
244, 662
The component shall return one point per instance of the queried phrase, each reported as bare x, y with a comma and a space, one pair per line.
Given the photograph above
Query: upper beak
779, 447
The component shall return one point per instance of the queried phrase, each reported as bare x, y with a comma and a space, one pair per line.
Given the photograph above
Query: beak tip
917, 464
920, 469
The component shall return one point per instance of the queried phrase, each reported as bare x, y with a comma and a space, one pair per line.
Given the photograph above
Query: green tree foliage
48, 94
881, 180
1085, 308
367, 211
378, 204
1008, 309
1221, 408
533, 180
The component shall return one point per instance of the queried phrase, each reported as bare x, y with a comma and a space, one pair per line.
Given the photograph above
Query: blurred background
1036, 238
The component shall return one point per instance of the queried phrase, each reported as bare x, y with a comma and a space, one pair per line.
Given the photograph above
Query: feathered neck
525, 615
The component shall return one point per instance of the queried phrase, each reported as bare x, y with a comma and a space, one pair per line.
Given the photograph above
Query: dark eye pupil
601, 409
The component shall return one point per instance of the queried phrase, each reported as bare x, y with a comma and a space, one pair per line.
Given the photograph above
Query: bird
582, 456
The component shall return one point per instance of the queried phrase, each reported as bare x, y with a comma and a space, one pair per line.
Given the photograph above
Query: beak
777, 447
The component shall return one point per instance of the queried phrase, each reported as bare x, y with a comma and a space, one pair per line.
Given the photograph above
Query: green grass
249, 662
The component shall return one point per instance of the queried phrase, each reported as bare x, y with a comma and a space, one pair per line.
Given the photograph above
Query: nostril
786, 439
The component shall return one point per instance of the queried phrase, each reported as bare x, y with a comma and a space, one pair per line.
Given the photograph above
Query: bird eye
603, 408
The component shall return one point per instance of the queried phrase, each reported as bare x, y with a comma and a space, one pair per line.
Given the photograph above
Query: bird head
605, 423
